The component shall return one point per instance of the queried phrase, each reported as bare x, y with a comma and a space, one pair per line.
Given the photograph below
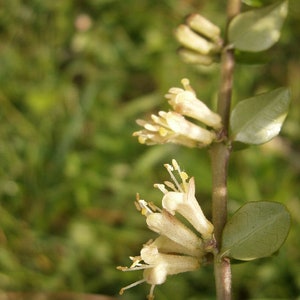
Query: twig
220, 154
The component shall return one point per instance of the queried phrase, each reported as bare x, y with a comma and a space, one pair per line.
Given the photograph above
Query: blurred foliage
74, 76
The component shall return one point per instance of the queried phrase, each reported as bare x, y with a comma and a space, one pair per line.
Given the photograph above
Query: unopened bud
204, 27
192, 57
190, 39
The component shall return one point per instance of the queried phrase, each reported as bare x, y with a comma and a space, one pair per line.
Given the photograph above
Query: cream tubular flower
174, 264
182, 200
165, 224
190, 39
171, 127
167, 246
187, 205
157, 266
185, 102
165, 264
178, 249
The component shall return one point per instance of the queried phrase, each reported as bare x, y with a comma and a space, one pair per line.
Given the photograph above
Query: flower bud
190, 39
193, 57
204, 27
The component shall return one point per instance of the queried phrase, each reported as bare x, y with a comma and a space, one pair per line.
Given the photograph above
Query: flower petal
167, 246
186, 103
167, 225
187, 205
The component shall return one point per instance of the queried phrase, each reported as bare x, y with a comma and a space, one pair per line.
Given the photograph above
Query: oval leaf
258, 29
257, 229
258, 119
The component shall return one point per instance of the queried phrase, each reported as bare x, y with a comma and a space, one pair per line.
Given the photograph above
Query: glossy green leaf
258, 29
258, 119
257, 229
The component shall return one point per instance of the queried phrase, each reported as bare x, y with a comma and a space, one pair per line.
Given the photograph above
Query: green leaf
257, 229
258, 119
258, 29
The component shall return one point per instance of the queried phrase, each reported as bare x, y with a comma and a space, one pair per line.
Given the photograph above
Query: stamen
126, 269
151, 294
170, 170
135, 266
171, 186
184, 177
136, 261
186, 84
131, 285
162, 131
161, 187
145, 210
175, 165
153, 207
141, 267
137, 205
169, 167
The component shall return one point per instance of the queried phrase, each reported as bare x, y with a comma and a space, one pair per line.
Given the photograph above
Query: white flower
171, 127
182, 200
167, 225
185, 102
167, 246
178, 249
157, 265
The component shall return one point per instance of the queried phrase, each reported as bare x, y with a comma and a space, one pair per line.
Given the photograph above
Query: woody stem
220, 154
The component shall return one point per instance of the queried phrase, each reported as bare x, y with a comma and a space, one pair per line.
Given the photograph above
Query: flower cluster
200, 39
173, 127
178, 248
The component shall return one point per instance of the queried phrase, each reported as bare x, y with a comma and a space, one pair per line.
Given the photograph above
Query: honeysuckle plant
187, 239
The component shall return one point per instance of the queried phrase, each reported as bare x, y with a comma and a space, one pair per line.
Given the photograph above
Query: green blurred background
74, 76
